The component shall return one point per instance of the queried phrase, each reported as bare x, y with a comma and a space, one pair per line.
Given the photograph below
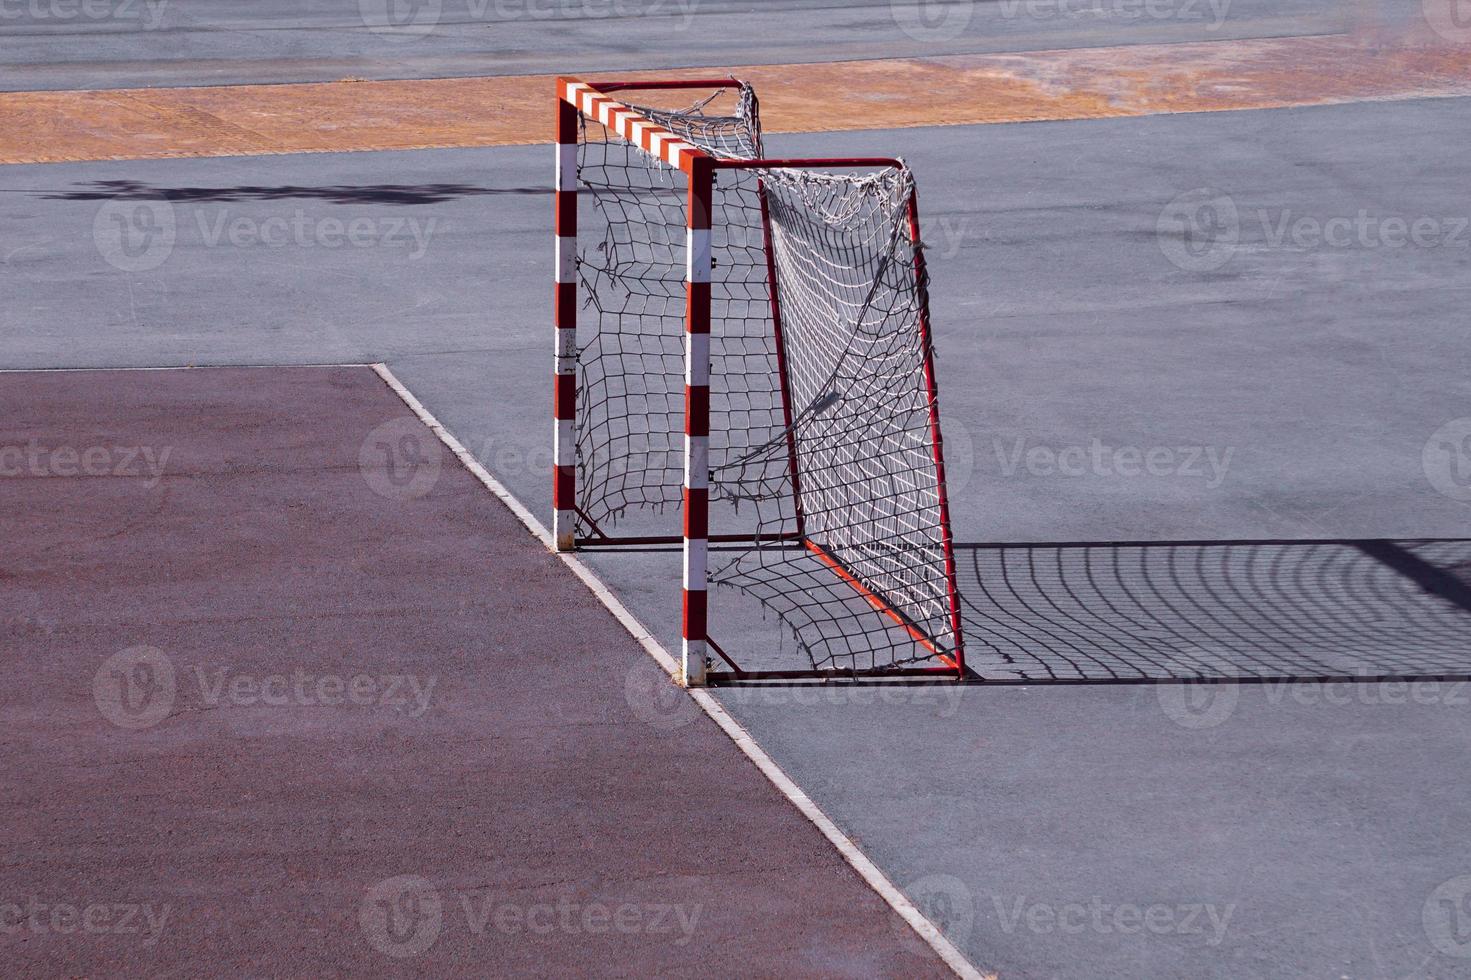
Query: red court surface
290, 693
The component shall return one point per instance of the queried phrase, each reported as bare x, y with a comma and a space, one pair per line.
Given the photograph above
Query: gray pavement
1183, 283
70, 44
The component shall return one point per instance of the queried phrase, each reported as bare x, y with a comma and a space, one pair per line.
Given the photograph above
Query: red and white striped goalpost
698, 167
576, 98
564, 368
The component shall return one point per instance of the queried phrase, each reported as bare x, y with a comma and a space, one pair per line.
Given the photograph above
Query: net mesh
843, 502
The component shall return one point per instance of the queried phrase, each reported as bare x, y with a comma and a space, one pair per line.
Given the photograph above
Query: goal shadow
1245, 610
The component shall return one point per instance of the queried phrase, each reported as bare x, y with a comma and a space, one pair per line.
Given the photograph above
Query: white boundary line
870, 872
189, 367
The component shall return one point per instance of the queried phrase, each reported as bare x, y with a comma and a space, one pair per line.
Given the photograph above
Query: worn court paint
162, 748
40, 127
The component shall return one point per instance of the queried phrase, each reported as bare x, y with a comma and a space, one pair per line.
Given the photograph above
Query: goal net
822, 479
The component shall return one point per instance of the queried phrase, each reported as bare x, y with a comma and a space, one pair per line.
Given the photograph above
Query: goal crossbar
592, 101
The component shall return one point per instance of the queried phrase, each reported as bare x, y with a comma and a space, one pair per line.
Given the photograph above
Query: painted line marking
860, 862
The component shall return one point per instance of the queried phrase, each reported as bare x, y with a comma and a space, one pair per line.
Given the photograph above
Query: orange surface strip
38, 127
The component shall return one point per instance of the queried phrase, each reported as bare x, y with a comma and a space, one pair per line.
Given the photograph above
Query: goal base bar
648, 539
879, 675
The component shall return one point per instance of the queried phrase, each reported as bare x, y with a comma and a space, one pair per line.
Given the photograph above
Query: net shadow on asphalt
1252, 610
405, 194
1239, 611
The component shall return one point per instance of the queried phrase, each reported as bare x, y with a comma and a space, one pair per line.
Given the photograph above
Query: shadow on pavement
134, 190
1263, 609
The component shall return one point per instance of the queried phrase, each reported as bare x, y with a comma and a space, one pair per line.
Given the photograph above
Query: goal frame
576, 99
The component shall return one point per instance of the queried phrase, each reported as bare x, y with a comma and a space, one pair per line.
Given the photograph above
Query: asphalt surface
54, 44
1068, 309
256, 723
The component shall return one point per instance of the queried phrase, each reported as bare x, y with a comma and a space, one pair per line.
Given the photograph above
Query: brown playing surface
38, 127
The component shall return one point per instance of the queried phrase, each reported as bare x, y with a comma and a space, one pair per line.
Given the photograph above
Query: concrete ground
137, 43
1226, 830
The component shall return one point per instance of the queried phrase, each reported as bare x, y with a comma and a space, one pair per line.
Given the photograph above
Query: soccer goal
744, 343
